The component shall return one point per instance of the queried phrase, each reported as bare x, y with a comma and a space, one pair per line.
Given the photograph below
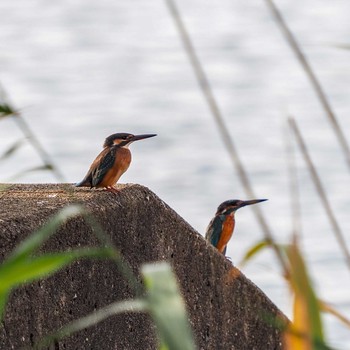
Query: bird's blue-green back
215, 229
102, 168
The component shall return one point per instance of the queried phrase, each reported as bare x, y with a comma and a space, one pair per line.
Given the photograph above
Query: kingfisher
220, 228
112, 162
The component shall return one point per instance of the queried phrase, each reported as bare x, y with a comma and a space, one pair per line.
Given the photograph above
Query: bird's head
124, 139
232, 205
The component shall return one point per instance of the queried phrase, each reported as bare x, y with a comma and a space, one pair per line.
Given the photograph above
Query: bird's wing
214, 230
102, 164
87, 181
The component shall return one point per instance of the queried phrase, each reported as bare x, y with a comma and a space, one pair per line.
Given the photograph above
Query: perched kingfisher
112, 162
220, 228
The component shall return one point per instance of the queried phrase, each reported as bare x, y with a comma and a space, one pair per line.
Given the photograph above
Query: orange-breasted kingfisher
112, 162
220, 228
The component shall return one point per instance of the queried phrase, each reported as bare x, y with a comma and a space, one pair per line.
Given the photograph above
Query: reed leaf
167, 307
5, 110
12, 149
306, 331
252, 251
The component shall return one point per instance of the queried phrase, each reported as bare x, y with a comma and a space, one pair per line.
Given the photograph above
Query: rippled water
85, 69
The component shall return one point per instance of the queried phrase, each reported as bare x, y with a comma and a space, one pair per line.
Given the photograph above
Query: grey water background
81, 70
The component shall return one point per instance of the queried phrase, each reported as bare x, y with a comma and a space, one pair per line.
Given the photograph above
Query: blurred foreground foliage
8, 111
161, 296
305, 332
5, 110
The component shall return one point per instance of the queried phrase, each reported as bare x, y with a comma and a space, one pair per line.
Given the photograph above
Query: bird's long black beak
253, 201
143, 136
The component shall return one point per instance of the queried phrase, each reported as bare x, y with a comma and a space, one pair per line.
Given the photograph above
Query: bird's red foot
112, 189
115, 191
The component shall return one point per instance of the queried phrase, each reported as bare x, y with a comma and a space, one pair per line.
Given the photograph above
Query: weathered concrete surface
227, 311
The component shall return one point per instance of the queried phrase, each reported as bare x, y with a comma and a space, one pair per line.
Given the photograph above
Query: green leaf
23, 270
325, 307
252, 251
6, 110
167, 307
13, 148
3, 300
34, 241
134, 305
38, 168
306, 331
44, 167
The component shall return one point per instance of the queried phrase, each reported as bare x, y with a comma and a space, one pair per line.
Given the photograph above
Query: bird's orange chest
122, 159
226, 233
121, 164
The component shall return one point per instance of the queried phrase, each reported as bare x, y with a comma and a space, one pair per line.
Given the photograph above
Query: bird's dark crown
228, 206
109, 141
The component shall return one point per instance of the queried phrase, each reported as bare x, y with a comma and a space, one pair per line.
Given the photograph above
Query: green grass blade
12, 149
35, 240
252, 251
167, 307
5, 110
325, 307
120, 262
25, 270
3, 300
307, 317
135, 305
21, 271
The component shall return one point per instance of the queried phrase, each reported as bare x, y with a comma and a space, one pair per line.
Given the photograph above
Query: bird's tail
83, 183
